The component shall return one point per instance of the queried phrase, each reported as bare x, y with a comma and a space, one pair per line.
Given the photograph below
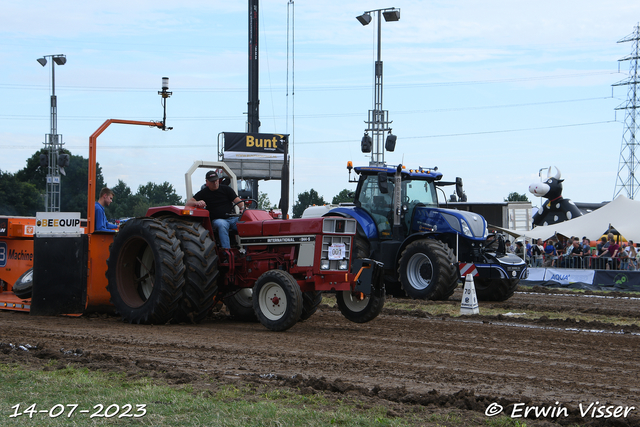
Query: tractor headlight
324, 264
343, 265
465, 228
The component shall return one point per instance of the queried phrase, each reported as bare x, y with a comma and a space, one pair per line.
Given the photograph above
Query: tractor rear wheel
201, 269
240, 305
145, 272
428, 270
277, 300
310, 302
24, 285
495, 289
359, 308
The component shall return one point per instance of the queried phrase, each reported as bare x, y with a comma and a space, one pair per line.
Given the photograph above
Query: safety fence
586, 262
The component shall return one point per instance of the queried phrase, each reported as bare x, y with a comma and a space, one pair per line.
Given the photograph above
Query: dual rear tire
145, 272
162, 271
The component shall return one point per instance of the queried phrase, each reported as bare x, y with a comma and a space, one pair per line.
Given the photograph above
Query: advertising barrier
602, 280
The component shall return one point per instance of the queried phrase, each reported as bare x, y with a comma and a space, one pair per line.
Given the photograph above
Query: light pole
378, 120
55, 161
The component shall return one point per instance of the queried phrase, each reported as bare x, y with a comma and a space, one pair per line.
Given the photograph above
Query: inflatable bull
556, 209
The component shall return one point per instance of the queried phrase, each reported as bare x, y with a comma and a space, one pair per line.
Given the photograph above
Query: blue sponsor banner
566, 276
595, 280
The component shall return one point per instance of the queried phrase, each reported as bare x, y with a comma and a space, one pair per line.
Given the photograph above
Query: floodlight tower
253, 104
378, 119
55, 161
627, 180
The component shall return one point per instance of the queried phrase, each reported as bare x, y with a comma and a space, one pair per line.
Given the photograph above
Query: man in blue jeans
218, 200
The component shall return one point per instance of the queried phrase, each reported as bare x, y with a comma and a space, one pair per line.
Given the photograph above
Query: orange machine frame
20, 232
99, 242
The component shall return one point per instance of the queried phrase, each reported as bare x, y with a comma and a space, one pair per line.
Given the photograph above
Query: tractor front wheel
428, 270
145, 272
495, 289
277, 300
359, 308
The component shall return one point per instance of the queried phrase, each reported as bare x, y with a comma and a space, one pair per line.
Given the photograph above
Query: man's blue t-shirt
101, 220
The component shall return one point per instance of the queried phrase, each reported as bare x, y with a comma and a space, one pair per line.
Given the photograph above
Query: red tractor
167, 267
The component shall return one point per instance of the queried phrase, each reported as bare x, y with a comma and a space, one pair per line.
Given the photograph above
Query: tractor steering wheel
246, 202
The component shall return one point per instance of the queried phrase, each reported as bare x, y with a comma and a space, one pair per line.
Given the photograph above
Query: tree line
23, 193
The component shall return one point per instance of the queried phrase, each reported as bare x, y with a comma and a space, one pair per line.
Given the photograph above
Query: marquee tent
622, 214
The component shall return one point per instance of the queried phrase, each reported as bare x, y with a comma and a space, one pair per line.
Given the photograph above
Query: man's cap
212, 176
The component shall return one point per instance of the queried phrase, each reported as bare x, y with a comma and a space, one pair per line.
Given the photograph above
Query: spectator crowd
606, 254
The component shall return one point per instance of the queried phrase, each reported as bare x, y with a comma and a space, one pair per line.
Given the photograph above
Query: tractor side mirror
459, 191
383, 186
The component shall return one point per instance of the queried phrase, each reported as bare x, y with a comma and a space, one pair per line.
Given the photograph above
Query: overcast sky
490, 91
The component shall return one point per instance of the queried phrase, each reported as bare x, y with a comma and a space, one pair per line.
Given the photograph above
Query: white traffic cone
469, 300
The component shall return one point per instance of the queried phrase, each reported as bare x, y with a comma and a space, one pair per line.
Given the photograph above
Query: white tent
622, 214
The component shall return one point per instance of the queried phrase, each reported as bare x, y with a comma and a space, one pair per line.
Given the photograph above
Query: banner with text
254, 146
595, 280
58, 224
566, 276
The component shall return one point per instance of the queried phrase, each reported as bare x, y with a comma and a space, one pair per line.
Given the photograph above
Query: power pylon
627, 180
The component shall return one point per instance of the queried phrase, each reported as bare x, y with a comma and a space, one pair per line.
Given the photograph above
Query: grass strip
55, 392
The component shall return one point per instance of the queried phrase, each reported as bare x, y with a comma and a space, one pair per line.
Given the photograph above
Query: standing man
586, 245
105, 199
218, 200
576, 254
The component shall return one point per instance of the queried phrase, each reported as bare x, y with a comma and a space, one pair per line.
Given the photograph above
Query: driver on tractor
219, 201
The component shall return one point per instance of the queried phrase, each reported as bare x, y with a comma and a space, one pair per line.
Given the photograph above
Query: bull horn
549, 172
558, 174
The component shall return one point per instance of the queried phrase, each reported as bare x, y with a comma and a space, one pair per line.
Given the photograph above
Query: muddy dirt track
404, 359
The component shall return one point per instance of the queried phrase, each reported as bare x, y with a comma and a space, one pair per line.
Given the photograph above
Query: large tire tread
135, 235
201, 269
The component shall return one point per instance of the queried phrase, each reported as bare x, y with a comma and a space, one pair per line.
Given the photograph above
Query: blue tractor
426, 249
